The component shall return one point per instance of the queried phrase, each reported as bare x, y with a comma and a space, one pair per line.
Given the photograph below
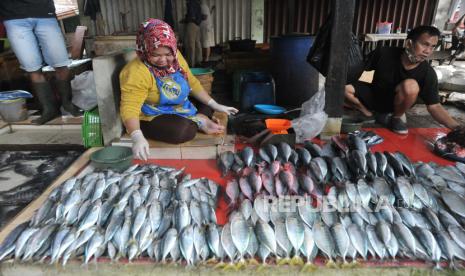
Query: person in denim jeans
36, 38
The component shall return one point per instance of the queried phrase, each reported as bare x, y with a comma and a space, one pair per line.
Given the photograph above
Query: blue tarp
14, 94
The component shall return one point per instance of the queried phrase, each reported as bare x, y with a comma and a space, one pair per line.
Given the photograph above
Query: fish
266, 235
247, 156
324, 240
272, 151
187, 243
226, 160
314, 149
284, 151
264, 155
342, 240
381, 162
455, 203
295, 232
227, 242
240, 235
304, 156
357, 237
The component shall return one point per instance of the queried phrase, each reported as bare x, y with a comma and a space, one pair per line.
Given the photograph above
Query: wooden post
343, 15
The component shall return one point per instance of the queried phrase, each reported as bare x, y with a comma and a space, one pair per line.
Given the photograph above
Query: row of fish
147, 210
423, 203
263, 229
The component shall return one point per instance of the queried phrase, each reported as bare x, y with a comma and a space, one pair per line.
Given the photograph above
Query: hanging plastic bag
312, 118
319, 54
84, 91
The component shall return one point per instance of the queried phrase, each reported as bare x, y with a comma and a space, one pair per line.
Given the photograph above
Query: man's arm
441, 115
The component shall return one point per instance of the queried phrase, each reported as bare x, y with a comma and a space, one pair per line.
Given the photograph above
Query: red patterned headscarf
152, 34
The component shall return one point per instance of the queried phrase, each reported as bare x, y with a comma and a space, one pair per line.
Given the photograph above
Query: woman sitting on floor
155, 90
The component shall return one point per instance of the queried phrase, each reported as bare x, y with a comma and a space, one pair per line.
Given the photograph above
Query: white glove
222, 108
140, 146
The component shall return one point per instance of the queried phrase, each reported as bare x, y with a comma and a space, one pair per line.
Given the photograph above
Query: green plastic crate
91, 129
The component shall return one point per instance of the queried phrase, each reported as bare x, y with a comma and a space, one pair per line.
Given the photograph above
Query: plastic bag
84, 91
318, 55
312, 118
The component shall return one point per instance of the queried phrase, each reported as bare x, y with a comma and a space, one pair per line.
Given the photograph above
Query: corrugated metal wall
231, 18
310, 14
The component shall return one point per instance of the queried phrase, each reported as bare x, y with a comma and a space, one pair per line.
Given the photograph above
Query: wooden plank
342, 17
28, 211
77, 44
206, 152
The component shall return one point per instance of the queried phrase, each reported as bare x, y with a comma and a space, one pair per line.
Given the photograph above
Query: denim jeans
35, 40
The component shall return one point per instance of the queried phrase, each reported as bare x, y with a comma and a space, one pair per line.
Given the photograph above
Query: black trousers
174, 129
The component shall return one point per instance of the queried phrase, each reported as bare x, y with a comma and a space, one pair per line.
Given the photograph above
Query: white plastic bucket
13, 110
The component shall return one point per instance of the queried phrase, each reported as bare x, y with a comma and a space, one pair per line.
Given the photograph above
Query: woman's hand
140, 146
222, 108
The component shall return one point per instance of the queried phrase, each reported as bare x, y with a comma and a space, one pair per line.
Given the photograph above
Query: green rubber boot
64, 88
47, 101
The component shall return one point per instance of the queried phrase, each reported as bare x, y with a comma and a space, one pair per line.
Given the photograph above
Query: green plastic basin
201, 71
117, 158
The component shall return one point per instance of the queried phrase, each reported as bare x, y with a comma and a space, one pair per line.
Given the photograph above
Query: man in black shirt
401, 75
36, 38
193, 19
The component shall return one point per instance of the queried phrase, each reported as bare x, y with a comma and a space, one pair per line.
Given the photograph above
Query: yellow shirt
138, 86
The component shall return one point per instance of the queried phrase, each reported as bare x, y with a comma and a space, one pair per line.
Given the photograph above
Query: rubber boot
47, 101
64, 88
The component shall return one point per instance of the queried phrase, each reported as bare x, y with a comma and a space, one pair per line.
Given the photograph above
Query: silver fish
187, 243
358, 239
342, 240
405, 236
455, 203
240, 235
375, 242
170, 240
323, 239
227, 242
265, 235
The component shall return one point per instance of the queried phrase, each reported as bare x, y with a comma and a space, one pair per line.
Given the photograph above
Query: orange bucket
278, 126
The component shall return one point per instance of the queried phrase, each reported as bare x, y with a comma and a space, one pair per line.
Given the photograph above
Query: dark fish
340, 144
263, 155
25, 169
272, 151
395, 163
294, 158
381, 163
284, 151
314, 149
357, 143
247, 156
371, 162
304, 156
406, 164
